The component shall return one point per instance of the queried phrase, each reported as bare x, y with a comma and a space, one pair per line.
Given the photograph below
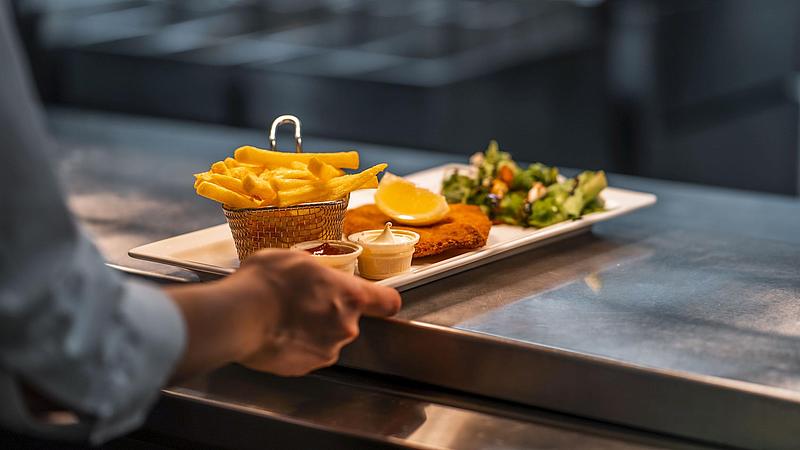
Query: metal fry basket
281, 227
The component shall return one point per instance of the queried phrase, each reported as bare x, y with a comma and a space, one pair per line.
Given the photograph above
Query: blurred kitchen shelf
434, 64
352, 45
659, 89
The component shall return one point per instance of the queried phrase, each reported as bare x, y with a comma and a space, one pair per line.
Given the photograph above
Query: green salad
528, 197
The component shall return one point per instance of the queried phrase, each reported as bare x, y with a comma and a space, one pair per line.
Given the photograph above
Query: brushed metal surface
712, 304
675, 317
364, 408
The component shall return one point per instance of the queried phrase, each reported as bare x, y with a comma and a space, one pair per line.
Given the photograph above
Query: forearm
224, 323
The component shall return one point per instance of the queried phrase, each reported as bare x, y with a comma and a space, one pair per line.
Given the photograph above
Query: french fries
291, 174
323, 171
372, 183
287, 184
226, 196
228, 182
270, 159
257, 187
329, 190
220, 168
256, 178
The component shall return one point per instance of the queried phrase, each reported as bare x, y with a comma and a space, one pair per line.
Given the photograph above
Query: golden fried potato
220, 168
372, 183
258, 178
322, 170
226, 196
286, 184
241, 172
271, 159
226, 181
330, 190
305, 194
349, 183
287, 173
232, 164
256, 186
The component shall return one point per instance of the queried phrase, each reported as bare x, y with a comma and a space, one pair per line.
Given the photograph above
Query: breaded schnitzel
465, 227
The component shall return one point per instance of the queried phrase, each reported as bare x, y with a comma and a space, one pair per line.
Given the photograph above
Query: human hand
281, 312
317, 311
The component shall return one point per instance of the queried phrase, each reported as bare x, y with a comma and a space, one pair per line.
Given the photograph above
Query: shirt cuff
138, 351
157, 333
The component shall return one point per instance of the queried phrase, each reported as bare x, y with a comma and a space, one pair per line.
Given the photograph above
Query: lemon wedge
409, 204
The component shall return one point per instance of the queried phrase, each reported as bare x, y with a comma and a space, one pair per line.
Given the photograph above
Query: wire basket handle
281, 120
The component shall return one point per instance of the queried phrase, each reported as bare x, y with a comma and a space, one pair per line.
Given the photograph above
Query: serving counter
676, 326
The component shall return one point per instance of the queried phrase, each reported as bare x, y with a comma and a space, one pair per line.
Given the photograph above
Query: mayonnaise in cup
386, 252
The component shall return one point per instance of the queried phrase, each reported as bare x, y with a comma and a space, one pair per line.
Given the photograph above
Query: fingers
291, 362
364, 296
373, 299
383, 301
318, 310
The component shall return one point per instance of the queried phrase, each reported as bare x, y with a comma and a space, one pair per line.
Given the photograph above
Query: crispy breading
464, 227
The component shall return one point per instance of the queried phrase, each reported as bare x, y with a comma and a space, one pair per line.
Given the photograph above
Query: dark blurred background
703, 91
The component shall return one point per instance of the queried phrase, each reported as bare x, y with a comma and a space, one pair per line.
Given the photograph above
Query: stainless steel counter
372, 410
703, 288
683, 332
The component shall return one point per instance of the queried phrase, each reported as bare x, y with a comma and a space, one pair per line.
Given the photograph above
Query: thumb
376, 300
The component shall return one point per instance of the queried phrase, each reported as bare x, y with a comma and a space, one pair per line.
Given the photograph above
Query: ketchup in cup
326, 248
341, 255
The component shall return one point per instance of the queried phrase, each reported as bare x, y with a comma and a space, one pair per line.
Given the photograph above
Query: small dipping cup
345, 262
382, 259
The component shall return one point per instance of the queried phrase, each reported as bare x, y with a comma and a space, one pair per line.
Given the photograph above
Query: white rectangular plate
211, 250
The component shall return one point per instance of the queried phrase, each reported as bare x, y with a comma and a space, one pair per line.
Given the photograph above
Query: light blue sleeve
69, 327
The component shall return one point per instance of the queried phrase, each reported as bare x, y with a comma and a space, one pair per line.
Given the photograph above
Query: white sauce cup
383, 260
